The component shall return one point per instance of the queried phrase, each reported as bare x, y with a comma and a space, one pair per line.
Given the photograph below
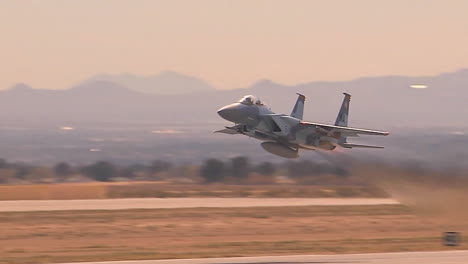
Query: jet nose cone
229, 112
240, 114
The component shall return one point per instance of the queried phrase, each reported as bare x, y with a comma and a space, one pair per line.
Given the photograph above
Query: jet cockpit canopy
250, 100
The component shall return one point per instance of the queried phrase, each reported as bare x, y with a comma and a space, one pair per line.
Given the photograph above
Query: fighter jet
284, 135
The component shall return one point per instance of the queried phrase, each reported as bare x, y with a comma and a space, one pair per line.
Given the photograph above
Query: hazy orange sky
55, 44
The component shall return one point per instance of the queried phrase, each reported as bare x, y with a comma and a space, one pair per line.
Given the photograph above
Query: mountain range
172, 98
164, 83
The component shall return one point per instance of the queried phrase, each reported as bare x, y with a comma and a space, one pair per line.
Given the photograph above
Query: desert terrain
71, 236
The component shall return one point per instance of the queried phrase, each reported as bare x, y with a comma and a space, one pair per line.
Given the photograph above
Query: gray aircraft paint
342, 118
283, 134
298, 110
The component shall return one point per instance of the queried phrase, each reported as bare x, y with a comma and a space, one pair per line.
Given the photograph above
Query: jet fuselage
286, 134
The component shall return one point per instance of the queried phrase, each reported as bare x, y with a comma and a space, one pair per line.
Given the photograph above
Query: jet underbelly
261, 135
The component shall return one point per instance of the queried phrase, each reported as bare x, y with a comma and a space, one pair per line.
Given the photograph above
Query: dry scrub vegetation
53, 191
67, 236
98, 190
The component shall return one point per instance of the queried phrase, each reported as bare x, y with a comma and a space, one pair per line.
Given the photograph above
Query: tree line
235, 170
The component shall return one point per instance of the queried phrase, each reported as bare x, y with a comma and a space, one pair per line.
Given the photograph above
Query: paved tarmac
439, 257
158, 203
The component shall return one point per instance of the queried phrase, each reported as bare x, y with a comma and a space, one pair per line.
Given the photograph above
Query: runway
160, 203
439, 257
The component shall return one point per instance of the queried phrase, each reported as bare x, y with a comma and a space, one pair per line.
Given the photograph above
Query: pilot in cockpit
250, 100
247, 100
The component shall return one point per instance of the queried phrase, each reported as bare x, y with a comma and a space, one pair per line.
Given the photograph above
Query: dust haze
434, 194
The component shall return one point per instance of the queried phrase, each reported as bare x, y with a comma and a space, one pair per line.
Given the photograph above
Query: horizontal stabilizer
347, 145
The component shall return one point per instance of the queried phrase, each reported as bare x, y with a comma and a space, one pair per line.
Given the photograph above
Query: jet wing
345, 131
230, 130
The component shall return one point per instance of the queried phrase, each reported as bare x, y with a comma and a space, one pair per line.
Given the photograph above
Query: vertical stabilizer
342, 118
298, 110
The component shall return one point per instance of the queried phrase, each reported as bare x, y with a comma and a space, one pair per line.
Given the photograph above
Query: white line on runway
436, 257
159, 203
